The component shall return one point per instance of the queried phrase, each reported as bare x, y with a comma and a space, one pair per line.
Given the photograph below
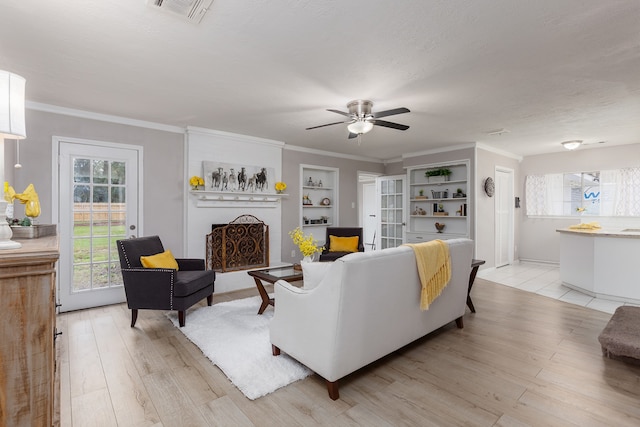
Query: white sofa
366, 306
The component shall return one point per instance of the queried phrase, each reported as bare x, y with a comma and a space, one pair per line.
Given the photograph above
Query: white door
369, 216
97, 205
390, 195
504, 207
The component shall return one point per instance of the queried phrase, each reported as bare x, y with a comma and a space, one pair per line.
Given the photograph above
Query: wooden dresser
28, 328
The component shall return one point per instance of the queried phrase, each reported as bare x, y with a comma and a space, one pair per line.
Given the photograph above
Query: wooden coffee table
272, 275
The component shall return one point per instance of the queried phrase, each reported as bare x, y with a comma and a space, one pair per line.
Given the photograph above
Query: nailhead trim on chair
125, 255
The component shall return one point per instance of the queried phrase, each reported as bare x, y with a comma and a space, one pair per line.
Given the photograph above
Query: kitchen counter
633, 233
602, 262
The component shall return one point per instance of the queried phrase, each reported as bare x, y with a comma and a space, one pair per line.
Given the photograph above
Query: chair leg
134, 316
332, 387
181, 315
210, 299
459, 323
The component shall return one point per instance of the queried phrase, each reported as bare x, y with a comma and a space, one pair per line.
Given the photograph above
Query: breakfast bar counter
602, 262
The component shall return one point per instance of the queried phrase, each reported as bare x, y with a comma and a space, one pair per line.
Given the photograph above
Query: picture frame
236, 178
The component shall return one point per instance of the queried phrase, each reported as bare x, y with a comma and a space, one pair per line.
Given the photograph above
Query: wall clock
489, 186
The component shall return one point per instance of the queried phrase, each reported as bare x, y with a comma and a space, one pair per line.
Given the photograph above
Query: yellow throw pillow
343, 244
161, 260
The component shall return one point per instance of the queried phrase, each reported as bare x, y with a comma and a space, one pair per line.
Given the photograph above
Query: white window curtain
544, 194
625, 198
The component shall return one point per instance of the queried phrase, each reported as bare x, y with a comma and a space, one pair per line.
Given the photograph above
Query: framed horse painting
238, 178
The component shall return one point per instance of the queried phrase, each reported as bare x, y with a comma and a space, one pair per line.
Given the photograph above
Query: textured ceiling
546, 70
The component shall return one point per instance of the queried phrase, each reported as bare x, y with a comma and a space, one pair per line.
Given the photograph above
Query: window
598, 193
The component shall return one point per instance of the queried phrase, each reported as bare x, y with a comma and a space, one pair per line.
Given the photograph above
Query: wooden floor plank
522, 359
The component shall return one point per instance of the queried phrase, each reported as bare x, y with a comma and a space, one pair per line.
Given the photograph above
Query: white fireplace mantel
216, 199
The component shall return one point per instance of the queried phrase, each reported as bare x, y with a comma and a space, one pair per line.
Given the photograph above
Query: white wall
206, 145
539, 240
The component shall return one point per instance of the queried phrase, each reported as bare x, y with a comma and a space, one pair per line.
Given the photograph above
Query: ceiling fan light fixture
360, 127
572, 145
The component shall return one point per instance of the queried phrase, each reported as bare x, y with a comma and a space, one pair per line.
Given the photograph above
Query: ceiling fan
361, 119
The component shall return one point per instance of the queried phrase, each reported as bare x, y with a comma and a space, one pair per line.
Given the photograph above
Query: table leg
472, 278
266, 301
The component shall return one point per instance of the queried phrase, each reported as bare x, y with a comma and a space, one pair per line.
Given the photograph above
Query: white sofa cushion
314, 272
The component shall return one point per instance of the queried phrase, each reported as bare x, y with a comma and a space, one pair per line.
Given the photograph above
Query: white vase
309, 258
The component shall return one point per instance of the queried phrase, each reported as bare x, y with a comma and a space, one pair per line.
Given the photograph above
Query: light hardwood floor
522, 359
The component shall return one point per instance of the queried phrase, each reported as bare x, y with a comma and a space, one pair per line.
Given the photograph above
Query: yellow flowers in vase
280, 187
196, 182
307, 245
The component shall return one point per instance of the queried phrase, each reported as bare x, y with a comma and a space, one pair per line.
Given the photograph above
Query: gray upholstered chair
327, 254
162, 288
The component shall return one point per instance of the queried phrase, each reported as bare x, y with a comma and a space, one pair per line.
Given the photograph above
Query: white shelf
422, 184
211, 199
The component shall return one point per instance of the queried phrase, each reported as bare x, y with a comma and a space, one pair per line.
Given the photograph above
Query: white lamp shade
360, 126
12, 88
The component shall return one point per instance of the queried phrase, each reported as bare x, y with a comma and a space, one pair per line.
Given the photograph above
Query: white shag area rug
236, 339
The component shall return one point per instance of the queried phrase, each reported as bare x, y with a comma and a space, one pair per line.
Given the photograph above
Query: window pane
100, 171
118, 173
100, 194
117, 195
81, 193
81, 277
81, 170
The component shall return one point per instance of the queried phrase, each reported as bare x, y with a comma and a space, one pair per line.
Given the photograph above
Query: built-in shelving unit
438, 199
319, 201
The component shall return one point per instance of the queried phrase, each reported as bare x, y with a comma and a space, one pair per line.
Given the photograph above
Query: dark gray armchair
327, 254
162, 288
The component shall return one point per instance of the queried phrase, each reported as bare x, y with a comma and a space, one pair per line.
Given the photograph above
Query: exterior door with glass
98, 204
390, 195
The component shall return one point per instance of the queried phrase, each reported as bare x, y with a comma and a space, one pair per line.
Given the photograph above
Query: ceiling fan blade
328, 124
390, 124
352, 135
339, 112
390, 112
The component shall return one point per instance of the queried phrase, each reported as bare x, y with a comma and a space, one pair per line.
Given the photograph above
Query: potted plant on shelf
438, 175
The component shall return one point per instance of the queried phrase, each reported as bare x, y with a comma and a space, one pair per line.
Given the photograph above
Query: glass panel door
390, 191
98, 206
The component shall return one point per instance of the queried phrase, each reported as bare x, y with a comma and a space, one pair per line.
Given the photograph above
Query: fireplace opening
242, 244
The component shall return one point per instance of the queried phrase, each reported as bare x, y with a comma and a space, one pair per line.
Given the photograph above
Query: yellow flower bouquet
307, 245
196, 182
280, 187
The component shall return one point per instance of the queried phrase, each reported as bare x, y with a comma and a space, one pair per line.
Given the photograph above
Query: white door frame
56, 191
500, 195
402, 207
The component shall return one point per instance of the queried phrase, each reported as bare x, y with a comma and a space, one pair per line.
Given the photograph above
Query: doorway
368, 215
98, 204
504, 207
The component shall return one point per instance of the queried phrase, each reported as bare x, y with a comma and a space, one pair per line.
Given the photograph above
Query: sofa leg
181, 315
332, 387
210, 300
134, 316
275, 350
459, 322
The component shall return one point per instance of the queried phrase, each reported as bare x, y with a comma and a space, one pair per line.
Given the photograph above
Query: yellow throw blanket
585, 226
434, 267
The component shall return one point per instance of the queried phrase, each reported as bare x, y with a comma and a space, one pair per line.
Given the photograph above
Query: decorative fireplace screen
240, 245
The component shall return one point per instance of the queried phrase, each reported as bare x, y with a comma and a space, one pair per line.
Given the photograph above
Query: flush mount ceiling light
572, 145
360, 127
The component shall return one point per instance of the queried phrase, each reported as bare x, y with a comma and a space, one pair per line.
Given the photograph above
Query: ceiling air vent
192, 10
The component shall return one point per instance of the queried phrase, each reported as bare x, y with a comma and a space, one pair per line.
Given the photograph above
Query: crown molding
439, 150
37, 106
498, 151
193, 130
331, 154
